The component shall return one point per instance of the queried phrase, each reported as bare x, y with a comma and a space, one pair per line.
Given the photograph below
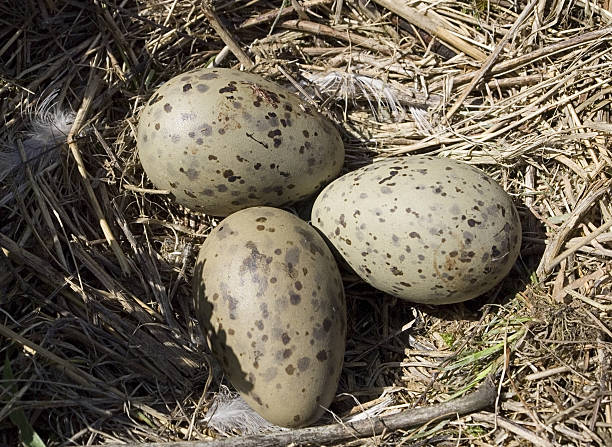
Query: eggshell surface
425, 229
269, 297
221, 140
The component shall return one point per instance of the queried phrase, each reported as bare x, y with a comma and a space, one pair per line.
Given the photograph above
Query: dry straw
97, 336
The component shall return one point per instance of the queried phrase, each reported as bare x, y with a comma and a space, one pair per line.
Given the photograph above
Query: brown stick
318, 29
491, 59
327, 434
225, 35
428, 24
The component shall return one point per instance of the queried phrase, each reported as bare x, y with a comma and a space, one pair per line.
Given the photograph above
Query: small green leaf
28, 436
449, 339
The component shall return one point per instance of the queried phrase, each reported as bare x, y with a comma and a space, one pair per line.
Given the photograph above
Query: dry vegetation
98, 341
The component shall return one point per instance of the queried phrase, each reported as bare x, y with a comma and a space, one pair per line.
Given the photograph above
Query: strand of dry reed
433, 25
280, 13
523, 433
549, 258
225, 35
491, 59
43, 206
519, 61
347, 36
92, 87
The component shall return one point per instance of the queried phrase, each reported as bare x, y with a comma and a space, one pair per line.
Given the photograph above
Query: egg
269, 297
221, 140
425, 229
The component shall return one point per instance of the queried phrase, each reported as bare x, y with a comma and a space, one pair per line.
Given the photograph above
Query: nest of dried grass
99, 343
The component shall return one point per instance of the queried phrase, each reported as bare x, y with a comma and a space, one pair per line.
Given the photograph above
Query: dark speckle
295, 298
285, 338
327, 325
186, 88
167, 108
303, 364
191, 173
206, 130
290, 370
228, 88
208, 76
322, 355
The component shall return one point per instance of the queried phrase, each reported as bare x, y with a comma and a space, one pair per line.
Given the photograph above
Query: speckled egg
269, 297
426, 229
221, 140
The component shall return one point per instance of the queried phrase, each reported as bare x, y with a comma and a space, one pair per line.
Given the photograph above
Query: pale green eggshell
426, 229
269, 297
221, 140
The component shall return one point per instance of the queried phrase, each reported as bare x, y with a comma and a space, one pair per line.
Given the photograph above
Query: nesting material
103, 358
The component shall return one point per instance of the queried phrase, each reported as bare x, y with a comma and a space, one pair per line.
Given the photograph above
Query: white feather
371, 412
385, 100
230, 414
46, 132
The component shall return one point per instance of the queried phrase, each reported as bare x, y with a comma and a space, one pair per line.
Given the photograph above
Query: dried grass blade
92, 87
431, 25
491, 58
318, 29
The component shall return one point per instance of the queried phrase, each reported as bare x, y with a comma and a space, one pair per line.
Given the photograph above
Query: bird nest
99, 341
